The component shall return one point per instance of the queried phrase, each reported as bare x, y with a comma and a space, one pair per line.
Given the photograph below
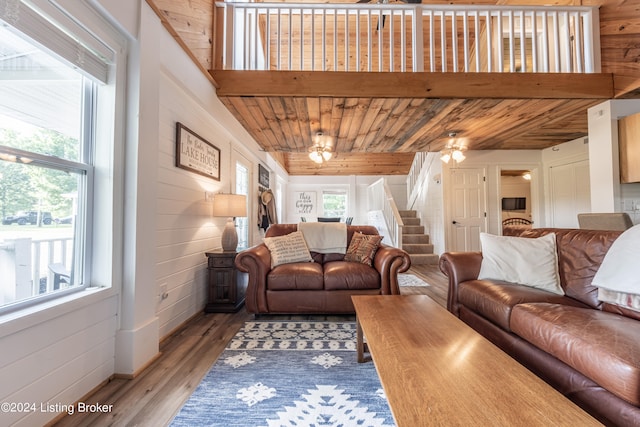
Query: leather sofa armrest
257, 262
390, 261
459, 267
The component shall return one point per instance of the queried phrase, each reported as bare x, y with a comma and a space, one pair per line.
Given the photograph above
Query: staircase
415, 242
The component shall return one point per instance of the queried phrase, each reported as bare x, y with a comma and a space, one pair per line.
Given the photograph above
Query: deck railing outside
34, 266
406, 37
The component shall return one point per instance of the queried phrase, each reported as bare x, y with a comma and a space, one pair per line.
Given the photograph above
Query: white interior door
570, 193
467, 209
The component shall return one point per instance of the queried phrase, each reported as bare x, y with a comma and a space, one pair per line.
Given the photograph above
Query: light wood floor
156, 395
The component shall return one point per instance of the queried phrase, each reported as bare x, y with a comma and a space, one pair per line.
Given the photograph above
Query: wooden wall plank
411, 85
191, 24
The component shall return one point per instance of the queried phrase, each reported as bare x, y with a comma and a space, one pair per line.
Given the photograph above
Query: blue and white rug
408, 279
289, 374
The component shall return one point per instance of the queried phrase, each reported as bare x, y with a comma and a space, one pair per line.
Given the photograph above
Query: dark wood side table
227, 285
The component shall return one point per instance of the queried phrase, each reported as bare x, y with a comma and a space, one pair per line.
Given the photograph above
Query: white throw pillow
622, 299
618, 278
522, 260
288, 249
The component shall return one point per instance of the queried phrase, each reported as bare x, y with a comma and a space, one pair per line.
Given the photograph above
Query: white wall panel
58, 360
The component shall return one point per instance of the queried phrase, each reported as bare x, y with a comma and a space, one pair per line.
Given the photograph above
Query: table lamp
230, 206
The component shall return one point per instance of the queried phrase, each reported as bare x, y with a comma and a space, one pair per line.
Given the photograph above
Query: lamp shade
230, 205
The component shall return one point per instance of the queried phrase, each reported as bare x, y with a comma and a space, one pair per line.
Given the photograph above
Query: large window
49, 82
334, 204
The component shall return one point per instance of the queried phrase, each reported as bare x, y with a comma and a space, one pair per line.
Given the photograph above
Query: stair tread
415, 241
418, 248
422, 259
416, 238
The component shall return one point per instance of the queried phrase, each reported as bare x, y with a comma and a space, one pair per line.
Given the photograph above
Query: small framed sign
263, 176
304, 202
196, 154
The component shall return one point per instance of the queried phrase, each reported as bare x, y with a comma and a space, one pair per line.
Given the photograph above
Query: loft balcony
406, 38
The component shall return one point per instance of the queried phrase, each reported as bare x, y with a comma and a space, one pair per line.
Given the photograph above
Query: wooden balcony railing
406, 37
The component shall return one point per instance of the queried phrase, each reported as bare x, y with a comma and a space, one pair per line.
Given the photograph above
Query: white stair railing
407, 37
413, 176
381, 202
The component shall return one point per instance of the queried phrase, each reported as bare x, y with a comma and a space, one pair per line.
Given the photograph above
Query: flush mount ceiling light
453, 150
527, 176
322, 150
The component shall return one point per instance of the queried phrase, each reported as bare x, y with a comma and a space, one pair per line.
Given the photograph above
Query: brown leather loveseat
322, 286
586, 349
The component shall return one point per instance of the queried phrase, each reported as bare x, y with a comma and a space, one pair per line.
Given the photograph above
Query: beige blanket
325, 237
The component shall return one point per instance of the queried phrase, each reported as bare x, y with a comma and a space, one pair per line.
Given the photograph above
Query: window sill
13, 322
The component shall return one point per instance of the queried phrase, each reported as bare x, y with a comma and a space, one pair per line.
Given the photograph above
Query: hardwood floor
156, 395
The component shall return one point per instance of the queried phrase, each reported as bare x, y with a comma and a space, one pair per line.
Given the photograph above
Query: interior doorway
516, 205
468, 208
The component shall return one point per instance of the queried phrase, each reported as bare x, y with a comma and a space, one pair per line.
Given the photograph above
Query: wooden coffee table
436, 370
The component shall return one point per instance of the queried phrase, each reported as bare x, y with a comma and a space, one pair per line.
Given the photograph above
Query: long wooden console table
436, 370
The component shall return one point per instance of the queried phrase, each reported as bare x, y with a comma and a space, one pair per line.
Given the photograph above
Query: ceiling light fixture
527, 176
321, 151
453, 150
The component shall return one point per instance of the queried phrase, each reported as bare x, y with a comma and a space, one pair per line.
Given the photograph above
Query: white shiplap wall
185, 228
59, 360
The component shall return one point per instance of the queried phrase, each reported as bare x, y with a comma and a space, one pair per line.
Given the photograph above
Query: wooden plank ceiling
375, 132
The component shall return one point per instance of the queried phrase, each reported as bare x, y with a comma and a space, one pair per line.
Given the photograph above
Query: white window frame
76, 33
345, 193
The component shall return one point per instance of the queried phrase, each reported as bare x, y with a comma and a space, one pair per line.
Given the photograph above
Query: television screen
514, 203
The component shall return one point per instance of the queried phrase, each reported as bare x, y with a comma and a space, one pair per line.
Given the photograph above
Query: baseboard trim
139, 370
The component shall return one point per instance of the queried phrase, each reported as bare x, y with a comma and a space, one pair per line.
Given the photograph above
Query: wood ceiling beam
415, 85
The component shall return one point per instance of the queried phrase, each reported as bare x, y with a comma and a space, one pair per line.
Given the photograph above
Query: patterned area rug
408, 279
289, 374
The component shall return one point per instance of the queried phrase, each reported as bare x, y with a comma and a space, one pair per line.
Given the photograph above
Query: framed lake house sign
196, 154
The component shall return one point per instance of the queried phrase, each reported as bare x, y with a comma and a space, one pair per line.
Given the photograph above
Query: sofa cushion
604, 347
285, 277
362, 248
322, 258
287, 249
341, 275
530, 262
494, 299
618, 309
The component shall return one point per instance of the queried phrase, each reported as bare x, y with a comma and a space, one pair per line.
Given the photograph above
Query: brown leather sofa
323, 286
588, 350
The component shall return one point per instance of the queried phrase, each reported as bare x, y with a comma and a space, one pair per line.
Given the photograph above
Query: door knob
455, 222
